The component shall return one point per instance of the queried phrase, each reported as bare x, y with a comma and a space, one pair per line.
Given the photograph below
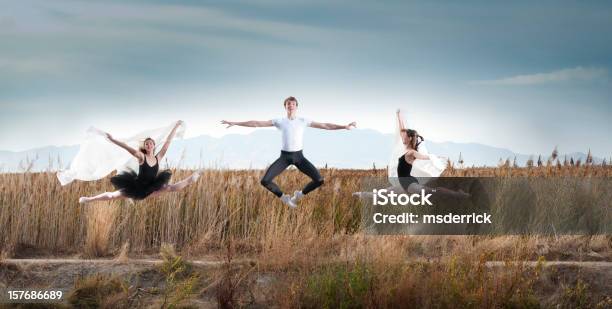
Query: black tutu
136, 188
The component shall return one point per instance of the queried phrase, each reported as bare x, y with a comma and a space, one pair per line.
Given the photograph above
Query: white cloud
573, 74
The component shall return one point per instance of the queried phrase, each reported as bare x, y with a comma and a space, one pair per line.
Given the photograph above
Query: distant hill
360, 148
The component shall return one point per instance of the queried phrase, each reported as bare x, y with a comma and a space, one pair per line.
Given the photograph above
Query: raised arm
400, 120
250, 123
331, 126
164, 148
134, 152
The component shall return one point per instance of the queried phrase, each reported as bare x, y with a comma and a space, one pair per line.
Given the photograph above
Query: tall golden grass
36, 212
317, 254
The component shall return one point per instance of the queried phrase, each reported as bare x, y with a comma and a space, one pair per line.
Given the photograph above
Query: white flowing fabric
98, 157
424, 170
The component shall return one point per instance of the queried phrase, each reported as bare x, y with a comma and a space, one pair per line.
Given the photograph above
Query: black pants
287, 158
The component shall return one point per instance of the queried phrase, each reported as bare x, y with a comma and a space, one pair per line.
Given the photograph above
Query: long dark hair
414, 135
142, 146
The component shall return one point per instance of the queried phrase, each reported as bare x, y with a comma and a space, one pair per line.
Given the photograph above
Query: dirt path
143, 274
210, 263
218, 263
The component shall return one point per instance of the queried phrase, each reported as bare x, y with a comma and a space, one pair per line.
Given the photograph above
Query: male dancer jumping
291, 153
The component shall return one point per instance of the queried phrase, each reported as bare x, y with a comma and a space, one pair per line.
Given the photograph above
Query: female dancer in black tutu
148, 182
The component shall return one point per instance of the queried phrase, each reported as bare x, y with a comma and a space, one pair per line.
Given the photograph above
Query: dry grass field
313, 256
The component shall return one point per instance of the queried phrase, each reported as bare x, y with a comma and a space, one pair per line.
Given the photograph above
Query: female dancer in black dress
409, 184
148, 182
410, 138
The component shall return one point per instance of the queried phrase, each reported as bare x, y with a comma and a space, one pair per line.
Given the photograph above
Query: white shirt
293, 132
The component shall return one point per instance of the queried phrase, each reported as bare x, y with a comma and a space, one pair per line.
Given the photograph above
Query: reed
37, 212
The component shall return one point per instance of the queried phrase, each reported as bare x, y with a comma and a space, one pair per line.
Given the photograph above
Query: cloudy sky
522, 75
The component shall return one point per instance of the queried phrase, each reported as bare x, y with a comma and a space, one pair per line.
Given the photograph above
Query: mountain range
361, 149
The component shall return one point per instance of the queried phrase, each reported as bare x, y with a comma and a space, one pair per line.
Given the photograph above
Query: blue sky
523, 75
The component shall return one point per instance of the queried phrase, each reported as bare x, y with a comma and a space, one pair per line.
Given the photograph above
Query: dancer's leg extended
106, 196
369, 194
178, 186
311, 171
274, 170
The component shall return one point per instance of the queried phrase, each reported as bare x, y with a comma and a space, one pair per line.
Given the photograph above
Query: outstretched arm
400, 120
134, 152
417, 155
250, 123
331, 126
162, 152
